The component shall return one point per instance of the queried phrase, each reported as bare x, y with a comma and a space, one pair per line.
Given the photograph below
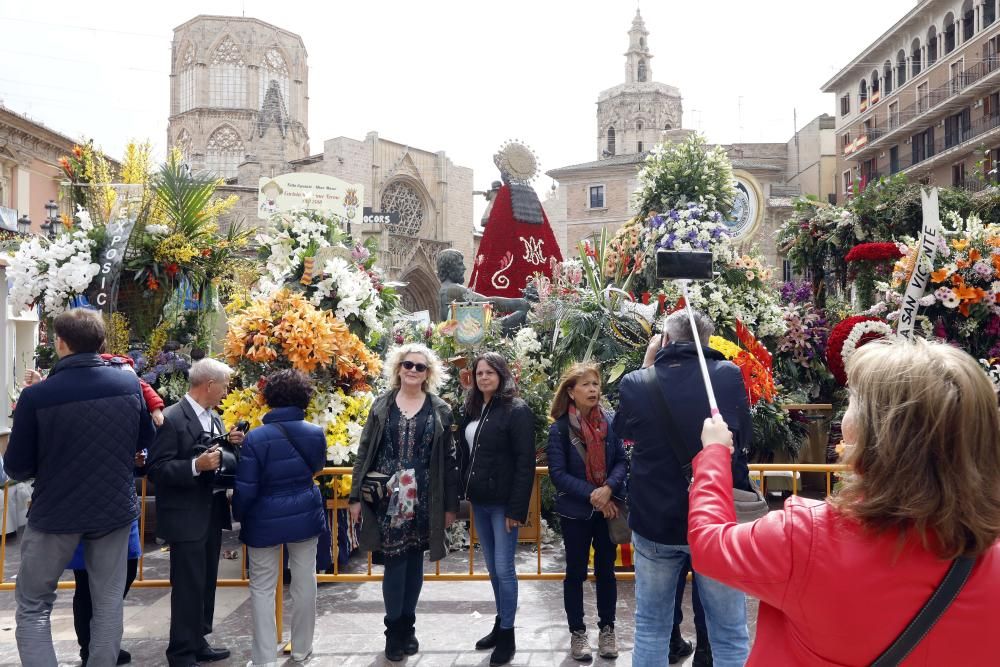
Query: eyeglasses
411, 365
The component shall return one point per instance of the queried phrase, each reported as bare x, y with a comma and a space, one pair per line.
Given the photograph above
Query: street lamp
51, 208
24, 224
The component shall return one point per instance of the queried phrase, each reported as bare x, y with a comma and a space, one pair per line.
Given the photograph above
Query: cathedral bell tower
637, 66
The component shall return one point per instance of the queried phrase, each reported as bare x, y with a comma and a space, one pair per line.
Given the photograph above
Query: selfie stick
697, 344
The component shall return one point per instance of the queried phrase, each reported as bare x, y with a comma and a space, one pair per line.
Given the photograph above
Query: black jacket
499, 467
183, 501
657, 487
77, 434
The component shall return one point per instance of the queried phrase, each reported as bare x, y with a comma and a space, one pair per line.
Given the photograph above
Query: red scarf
592, 431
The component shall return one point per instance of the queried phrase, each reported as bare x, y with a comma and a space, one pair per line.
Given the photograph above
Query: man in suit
190, 513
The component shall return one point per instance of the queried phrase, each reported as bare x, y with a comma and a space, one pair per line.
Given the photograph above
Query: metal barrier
338, 502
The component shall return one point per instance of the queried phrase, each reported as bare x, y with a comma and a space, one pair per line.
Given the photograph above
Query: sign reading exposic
316, 192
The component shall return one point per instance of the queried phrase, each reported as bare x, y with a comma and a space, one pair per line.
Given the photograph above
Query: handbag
749, 505
618, 529
375, 490
933, 609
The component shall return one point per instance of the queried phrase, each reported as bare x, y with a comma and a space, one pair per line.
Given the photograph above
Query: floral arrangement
874, 252
309, 252
801, 351
686, 172
285, 330
340, 415
756, 376
166, 373
847, 337
816, 239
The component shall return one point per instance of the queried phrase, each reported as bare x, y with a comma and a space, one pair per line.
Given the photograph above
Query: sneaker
579, 646
607, 646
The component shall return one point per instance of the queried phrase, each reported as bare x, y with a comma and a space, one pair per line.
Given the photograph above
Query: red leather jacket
832, 593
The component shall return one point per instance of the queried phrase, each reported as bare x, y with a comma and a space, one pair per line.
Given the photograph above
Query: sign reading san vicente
317, 192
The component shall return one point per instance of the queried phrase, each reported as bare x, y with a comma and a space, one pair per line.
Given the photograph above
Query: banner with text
317, 192
916, 288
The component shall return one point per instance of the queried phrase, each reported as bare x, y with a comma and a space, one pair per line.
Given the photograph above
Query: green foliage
774, 430
689, 171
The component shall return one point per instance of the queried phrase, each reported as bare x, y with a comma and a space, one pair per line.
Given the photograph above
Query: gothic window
186, 84
273, 68
224, 152
611, 141
638, 147
900, 68
915, 59
183, 142
400, 197
227, 76
668, 127
638, 126
642, 70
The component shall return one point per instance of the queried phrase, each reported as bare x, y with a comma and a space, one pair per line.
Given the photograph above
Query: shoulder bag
618, 529
749, 505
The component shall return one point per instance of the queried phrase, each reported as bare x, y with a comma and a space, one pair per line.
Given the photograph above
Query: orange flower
940, 275
974, 254
968, 296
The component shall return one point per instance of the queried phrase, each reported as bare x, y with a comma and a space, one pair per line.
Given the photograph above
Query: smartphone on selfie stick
683, 266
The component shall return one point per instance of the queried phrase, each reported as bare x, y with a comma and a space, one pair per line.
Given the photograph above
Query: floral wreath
847, 337
874, 252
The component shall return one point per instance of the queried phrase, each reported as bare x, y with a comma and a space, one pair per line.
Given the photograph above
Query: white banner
317, 192
924, 264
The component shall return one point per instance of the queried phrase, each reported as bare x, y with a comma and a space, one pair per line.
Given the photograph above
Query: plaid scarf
592, 432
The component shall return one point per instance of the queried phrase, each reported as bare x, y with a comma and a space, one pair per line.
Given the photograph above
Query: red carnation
838, 336
874, 252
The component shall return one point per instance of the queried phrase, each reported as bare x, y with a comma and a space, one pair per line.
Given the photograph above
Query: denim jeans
656, 571
498, 551
401, 584
699, 611
578, 535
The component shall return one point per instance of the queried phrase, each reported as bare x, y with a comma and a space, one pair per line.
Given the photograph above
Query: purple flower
692, 235
674, 215
657, 221
150, 377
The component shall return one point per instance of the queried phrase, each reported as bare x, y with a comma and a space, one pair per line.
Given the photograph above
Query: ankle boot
490, 640
703, 653
394, 640
679, 647
409, 634
505, 649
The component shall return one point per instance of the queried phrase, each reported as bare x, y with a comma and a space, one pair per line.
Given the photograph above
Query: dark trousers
194, 568
401, 584
83, 608
699, 611
578, 536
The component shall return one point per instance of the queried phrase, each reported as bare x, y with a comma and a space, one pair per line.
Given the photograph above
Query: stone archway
421, 291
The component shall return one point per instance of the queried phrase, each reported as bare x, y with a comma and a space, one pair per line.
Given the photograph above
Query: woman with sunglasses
497, 453
404, 488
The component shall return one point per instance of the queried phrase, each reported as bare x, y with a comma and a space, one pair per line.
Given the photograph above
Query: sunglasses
410, 365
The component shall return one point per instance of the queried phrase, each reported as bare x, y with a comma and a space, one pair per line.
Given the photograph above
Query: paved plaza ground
451, 616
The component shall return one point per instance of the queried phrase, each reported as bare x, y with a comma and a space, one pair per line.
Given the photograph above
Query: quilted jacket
275, 498
569, 472
76, 434
833, 593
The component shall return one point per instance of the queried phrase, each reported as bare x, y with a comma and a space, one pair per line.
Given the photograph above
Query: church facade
634, 116
239, 109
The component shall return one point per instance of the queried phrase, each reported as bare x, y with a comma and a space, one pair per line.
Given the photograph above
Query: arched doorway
421, 292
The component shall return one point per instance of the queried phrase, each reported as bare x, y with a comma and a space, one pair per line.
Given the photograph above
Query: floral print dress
406, 452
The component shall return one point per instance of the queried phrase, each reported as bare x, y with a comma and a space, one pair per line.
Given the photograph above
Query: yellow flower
719, 344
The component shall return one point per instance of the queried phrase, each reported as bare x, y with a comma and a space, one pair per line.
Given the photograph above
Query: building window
227, 77
862, 95
638, 126
894, 159
224, 152
923, 99
596, 196
273, 69
949, 33
638, 147
968, 21
642, 71
845, 141
787, 275
957, 78
893, 116
668, 127
932, 45
915, 58
400, 197
991, 106
958, 174
847, 182
185, 95
611, 141
845, 105
957, 128
900, 68
887, 77
989, 12
922, 144
990, 50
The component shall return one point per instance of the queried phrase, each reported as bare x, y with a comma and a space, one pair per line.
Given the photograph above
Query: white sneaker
607, 646
580, 646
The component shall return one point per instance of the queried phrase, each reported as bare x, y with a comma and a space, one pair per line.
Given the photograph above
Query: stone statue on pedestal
451, 273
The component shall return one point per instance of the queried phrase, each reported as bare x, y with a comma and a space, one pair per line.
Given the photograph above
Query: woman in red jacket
838, 581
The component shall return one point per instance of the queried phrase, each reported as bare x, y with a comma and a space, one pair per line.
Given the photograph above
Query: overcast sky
455, 75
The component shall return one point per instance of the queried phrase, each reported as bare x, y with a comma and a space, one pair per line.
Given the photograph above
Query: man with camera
192, 509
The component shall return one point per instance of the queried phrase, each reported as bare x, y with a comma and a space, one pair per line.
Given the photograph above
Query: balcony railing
944, 92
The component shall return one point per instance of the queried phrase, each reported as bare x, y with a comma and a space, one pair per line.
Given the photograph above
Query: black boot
505, 649
702, 654
394, 640
409, 634
679, 647
490, 640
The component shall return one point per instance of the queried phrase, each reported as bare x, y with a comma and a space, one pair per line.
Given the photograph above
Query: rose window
401, 198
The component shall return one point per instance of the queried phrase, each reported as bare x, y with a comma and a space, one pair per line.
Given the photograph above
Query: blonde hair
927, 455
569, 380
435, 369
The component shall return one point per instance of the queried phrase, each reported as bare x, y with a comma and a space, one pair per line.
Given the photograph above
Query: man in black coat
190, 512
76, 435
658, 484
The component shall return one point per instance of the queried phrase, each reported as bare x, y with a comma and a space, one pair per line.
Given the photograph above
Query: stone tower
238, 97
632, 116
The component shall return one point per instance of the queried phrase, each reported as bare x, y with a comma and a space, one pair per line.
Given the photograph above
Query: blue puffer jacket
276, 499
569, 472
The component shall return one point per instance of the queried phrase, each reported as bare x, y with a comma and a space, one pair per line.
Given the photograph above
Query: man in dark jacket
658, 485
190, 513
77, 435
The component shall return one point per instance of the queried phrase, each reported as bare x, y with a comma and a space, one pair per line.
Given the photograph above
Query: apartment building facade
923, 100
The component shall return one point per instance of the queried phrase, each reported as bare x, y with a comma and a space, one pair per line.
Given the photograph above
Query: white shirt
207, 424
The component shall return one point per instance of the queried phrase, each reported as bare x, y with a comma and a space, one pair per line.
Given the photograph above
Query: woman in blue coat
278, 502
588, 467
